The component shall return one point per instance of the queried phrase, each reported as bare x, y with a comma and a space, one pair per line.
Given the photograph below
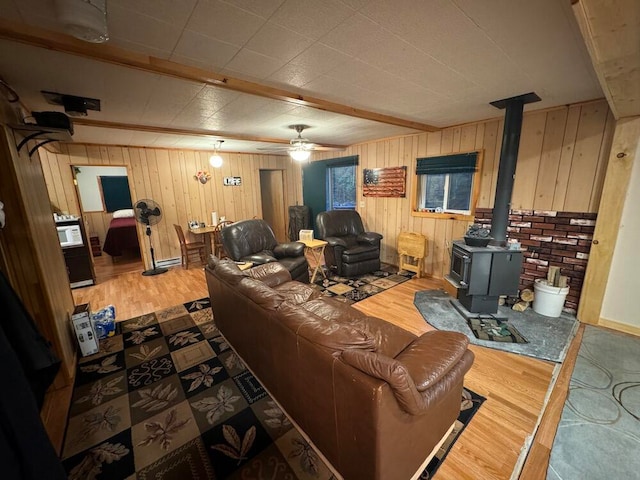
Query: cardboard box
82, 325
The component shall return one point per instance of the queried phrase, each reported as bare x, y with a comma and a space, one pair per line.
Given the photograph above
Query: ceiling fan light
300, 155
84, 19
215, 160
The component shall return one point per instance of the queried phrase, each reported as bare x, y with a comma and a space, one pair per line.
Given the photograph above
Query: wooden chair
189, 248
412, 248
218, 248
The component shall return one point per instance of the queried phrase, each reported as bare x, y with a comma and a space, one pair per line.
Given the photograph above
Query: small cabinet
79, 266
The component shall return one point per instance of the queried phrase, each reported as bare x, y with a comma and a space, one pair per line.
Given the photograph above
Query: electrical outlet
361, 203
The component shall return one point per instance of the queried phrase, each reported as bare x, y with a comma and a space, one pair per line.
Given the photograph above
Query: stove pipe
508, 156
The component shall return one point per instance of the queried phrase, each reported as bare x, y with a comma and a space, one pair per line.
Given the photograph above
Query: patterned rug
354, 289
167, 398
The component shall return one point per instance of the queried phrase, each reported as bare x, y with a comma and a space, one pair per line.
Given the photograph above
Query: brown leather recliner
350, 250
254, 241
374, 398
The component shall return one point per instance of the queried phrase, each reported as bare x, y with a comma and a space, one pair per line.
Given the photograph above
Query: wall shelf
41, 134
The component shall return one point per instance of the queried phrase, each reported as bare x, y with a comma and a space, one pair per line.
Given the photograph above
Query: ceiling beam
611, 33
194, 132
59, 42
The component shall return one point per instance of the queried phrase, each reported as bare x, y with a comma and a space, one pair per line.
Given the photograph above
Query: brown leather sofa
372, 397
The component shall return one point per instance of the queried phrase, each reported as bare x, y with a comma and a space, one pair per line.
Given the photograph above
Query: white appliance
70, 235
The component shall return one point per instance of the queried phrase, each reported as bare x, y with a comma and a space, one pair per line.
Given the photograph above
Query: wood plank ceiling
353, 70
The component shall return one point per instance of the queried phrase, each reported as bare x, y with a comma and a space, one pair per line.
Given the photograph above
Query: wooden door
272, 197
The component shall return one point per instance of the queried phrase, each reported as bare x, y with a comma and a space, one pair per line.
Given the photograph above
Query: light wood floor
515, 386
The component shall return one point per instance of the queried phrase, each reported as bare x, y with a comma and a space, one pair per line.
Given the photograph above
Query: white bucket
548, 300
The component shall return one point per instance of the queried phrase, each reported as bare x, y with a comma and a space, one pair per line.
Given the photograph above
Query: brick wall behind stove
559, 239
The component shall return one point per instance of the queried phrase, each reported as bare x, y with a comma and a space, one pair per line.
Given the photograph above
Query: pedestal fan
148, 213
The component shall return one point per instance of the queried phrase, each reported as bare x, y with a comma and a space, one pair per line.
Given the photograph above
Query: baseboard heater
168, 262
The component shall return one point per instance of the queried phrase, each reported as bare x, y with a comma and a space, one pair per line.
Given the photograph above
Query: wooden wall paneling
446, 145
457, 133
603, 161
479, 142
524, 187
468, 137
566, 157
550, 159
164, 230
392, 213
439, 247
489, 166
585, 157
625, 143
175, 168
32, 259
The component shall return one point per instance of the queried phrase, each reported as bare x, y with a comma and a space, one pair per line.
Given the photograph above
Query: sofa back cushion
241, 239
339, 223
228, 271
323, 332
260, 293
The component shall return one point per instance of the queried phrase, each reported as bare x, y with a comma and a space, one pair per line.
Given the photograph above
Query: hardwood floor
515, 386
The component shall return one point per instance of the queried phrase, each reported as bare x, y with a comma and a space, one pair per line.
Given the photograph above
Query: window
445, 184
341, 188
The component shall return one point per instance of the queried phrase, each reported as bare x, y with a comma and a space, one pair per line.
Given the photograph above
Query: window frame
454, 215
330, 190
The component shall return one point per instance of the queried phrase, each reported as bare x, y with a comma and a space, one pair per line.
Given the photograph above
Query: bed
121, 237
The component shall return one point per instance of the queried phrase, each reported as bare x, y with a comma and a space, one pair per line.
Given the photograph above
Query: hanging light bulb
215, 160
300, 154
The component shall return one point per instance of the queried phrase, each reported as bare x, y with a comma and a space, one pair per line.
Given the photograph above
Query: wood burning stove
483, 274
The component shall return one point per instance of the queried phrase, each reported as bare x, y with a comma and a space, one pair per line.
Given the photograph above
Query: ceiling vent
73, 105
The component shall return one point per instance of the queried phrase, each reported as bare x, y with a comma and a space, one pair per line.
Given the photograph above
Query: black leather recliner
254, 241
350, 249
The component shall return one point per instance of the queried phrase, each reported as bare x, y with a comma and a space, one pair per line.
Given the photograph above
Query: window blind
457, 163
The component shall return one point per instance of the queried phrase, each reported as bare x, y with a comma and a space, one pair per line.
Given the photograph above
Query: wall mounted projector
73, 105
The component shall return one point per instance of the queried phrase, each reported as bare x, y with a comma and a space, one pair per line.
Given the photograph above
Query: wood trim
196, 132
39, 37
623, 152
537, 460
618, 326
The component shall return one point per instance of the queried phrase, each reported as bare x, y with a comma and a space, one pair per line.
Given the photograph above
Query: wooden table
316, 249
206, 231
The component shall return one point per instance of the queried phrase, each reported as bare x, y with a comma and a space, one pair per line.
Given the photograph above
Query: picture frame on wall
385, 182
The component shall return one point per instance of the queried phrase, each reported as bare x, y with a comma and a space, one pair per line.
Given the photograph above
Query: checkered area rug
355, 289
168, 399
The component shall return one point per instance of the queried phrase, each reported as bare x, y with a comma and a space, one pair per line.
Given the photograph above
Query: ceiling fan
300, 148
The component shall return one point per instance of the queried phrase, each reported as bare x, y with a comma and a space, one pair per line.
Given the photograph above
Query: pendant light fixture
84, 19
215, 160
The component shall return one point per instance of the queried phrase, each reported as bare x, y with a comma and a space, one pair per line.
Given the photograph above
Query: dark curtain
314, 184
115, 192
27, 368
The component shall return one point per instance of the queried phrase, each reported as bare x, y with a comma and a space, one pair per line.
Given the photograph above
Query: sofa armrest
423, 373
431, 356
289, 249
259, 258
371, 238
272, 274
335, 242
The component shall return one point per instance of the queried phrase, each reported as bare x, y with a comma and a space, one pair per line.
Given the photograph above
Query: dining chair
218, 248
189, 248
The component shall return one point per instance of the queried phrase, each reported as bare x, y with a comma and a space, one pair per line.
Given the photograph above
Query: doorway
272, 198
102, 191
